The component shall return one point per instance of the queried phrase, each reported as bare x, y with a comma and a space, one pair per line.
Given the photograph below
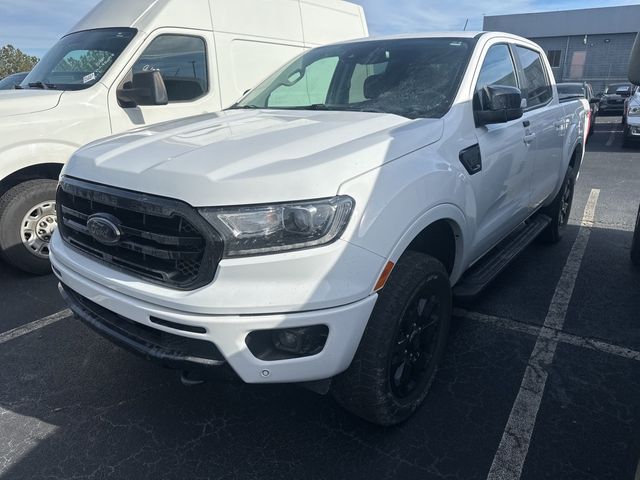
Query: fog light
287, 343
301, 341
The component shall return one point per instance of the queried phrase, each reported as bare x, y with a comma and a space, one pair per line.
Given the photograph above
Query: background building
591, 45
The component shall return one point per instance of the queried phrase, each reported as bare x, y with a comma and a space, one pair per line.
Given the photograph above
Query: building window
554, 57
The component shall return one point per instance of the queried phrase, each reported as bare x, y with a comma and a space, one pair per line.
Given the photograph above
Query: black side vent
471, 159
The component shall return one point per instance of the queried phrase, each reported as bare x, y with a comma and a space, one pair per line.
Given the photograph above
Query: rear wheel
27, 221
559, 210
635, 243
402, 345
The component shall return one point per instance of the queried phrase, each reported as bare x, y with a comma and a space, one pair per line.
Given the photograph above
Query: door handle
526, 123
530, 137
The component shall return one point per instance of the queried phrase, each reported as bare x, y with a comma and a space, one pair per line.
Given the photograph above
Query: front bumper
632, 127
215, 339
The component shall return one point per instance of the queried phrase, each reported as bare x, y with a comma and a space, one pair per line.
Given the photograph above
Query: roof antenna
465, 25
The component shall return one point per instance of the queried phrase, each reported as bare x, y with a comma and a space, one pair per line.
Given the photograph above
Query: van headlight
634, 112
264, 229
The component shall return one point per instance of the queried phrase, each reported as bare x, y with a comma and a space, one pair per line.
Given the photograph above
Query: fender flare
458, 222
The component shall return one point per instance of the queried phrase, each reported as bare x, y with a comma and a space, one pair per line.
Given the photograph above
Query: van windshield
415, 78
79, 60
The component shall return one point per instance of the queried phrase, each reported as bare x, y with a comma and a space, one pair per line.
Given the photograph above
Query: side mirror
594, 100
634, 63
144, 88
497, 104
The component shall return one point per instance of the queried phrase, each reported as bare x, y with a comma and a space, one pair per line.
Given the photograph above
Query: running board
490, 266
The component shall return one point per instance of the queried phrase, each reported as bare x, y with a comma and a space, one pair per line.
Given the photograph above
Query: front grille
163, 241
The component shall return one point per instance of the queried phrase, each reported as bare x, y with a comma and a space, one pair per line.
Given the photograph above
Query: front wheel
635, 243
559, 210
402, 345
27, 221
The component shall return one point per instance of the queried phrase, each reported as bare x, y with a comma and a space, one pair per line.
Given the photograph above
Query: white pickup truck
132, 63
317, 230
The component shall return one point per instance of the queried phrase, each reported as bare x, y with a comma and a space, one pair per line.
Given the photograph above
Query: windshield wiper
42, 85
239, 107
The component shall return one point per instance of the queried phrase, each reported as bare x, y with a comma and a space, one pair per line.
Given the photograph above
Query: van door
545, 118
502, 188
186, 61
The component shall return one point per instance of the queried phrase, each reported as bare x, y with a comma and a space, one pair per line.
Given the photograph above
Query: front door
185, 61
503, 187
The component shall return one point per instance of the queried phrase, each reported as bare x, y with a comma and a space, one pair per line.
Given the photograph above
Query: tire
418, 284
559, 210
15, 205
635, 243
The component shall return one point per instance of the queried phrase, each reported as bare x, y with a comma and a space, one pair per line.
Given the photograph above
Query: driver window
497, 69
182, 61
306, 88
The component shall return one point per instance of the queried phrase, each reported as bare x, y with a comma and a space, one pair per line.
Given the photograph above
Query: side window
182, 61
309, 87
538, 90
497, 68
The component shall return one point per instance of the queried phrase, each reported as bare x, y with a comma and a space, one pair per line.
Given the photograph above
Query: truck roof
227, 16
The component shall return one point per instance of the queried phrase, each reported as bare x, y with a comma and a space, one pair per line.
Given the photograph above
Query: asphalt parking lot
541, 379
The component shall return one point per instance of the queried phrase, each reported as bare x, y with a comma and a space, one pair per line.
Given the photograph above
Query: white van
131, 63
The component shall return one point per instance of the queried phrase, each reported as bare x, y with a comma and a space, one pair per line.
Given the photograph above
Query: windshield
80, 59
8, 83
565, 90
409, 77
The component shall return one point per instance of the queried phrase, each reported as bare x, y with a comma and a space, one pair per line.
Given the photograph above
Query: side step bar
490, 266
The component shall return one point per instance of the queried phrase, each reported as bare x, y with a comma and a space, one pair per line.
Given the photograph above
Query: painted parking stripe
562, 337
33, 326
512, 452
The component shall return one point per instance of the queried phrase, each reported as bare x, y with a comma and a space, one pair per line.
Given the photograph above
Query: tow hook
190, 379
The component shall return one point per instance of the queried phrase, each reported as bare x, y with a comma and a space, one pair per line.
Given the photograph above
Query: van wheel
28, 220
402, 345
559, 210
635, 243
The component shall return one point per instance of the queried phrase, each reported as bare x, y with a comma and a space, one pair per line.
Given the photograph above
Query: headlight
634, 111
264, 229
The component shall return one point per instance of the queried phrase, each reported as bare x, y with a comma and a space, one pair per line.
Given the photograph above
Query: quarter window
497, 68
182, 61
537, 90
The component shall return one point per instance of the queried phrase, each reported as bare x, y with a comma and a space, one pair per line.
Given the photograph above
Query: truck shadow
75, 406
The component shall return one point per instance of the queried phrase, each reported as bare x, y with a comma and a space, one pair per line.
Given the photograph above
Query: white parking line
512, 452
562, 337
612, 137
33, 326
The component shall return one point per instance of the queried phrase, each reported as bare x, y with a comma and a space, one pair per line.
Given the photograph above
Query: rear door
544, 123
503, 186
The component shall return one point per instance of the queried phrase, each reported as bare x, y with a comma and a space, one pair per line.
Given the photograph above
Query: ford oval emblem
104, 228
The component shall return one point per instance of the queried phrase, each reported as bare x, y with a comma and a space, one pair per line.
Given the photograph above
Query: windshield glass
565, 90
80, 59
409, 77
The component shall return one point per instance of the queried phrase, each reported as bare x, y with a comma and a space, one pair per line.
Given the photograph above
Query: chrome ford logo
104, 228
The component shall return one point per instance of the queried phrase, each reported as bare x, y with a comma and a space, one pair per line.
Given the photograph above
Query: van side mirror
634, 63
143, 88
497, 104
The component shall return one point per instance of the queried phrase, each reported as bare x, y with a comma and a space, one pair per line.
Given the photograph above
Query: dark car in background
9, 82
581, 90
614, 97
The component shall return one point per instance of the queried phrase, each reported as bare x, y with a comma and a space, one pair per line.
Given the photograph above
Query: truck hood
260, 156
19, 102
